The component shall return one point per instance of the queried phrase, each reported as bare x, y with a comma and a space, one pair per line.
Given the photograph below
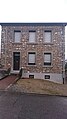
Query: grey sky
34, 11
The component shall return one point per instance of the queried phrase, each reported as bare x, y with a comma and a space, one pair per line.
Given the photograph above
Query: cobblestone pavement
4, 83
32, 106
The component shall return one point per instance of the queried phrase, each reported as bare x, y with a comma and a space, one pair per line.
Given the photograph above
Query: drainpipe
63, 54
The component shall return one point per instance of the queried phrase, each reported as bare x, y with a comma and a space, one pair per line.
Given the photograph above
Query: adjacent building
39, 48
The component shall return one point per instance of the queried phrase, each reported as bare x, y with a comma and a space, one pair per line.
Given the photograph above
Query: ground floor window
47, 58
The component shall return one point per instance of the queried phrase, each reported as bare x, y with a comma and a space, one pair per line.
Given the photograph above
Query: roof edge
33, 23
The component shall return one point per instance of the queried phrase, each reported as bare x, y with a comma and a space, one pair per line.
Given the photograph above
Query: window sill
32, 65
16, 43
32, 43
48, 43
50, 66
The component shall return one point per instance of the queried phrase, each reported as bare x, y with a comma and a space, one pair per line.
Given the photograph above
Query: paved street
31, 106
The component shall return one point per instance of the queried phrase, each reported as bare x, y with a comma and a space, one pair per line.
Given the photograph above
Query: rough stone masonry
40, 59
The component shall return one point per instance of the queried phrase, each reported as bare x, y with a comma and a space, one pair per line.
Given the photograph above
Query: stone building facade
39, 48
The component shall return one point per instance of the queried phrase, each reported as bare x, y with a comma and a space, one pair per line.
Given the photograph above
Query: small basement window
47, 76
31, 76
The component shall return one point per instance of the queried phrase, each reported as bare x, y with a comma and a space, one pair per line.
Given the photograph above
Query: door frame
13, 60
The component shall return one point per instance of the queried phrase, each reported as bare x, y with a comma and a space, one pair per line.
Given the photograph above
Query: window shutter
31, 59
31, 37
17, 36
47, 36
47, 58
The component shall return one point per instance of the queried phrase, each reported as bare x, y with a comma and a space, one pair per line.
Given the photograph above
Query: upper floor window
17, 36
32, 36
47, 36
31, 58
47, 58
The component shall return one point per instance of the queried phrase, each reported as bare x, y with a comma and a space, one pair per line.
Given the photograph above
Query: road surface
32, 106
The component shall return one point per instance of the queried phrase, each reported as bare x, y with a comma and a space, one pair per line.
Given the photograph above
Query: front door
16, 60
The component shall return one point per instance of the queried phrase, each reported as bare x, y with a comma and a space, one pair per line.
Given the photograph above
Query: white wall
57, 78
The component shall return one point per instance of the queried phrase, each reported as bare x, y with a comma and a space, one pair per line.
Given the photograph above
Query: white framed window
32, 36
47, 58
17, 36
47, 36
31, 58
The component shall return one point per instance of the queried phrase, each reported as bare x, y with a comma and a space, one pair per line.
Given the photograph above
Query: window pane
31, 37
47, 36
17, 36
